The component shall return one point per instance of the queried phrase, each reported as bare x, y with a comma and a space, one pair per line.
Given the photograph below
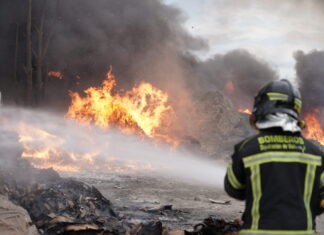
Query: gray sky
272, 30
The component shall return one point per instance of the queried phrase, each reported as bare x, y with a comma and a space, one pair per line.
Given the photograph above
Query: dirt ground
137, 198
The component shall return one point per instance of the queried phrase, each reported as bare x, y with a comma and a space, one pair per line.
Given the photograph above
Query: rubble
65, 206
210, 226
69, 205
215, 226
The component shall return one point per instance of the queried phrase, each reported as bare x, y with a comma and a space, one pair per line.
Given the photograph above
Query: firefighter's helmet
277, 97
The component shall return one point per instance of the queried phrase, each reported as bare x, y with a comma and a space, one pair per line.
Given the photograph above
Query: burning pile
140, 110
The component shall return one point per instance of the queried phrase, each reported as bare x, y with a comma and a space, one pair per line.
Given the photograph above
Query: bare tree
16, 55
29, 56
43, 42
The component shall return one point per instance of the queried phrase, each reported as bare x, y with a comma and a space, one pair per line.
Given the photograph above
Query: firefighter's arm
235, 179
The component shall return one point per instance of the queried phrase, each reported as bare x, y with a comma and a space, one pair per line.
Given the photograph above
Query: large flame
139, 110
314, 128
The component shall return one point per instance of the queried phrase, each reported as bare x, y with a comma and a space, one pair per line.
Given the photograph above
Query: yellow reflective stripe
257, 159
322, 180
297, 104
277, 96
298, 108
298, 101
232, 178
277, 232
256, 190
308, 189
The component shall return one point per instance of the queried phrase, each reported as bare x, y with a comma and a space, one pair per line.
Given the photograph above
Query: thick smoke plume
310, 73
142, 40
145, 40
245, 71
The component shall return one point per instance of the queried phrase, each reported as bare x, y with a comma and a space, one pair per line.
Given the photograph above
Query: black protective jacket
280, 176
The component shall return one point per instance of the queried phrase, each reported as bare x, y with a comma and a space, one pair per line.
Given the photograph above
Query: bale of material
14, 220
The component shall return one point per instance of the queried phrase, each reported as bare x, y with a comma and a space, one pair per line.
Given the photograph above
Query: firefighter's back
282, 173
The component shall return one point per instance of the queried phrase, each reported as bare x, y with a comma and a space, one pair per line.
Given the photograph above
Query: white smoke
111, 151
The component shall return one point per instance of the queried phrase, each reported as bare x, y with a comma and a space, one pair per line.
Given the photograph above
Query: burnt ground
139, 198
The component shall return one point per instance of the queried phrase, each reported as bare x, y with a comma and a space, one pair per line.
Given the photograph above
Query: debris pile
69, 205
55, 205
221, 124
210, 226
216, 226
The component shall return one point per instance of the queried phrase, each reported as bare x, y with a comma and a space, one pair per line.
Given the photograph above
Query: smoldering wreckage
56, 205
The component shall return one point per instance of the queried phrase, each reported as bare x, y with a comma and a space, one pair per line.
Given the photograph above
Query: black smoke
310, 73
247, 73
142, 40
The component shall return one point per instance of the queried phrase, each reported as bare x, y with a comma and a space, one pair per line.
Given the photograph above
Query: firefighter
277, 172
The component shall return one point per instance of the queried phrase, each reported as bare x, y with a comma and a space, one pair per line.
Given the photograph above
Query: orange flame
42, 148
139, 110
56, 74
314, 128
46, 150
247, 111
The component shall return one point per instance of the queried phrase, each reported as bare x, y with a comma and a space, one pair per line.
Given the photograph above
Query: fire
47, 150
42, 148
314, 128
142, 110
56, 74
139, 110
247, 111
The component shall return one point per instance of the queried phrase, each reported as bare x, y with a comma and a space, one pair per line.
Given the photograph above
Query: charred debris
56, 205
